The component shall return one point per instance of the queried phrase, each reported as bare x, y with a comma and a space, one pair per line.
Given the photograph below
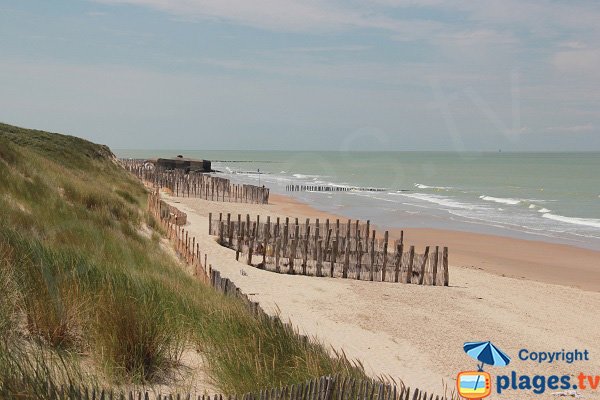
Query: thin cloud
571, 129
327, 49
281, 15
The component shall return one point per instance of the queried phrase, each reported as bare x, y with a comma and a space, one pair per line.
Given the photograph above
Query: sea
552, 197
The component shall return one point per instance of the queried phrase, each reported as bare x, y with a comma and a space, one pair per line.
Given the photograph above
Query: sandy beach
519, 294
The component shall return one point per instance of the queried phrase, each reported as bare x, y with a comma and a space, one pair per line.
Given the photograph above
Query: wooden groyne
314, 188
351, 250
201, 185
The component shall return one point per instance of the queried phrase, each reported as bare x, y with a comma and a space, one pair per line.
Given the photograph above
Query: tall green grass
82, 282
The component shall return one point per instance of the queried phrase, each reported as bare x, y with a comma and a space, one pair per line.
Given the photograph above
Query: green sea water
541, 196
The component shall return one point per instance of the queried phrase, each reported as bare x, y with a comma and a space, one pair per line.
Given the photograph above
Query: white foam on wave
500, 200
572, 220
421, 186
440, 200
532, 206
306, 176
543, 210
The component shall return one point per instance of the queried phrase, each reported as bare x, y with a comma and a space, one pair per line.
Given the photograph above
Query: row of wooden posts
315, 188
323, 388
170, 213
184, 244
201, 185
317, 249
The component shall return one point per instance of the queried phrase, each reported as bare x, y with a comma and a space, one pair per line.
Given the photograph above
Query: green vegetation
88, 295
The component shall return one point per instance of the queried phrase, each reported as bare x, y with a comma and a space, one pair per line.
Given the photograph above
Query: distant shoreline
530, 197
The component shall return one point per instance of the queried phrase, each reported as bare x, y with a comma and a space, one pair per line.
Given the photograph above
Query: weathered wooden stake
372, 269
435, 265
425, 256
320, 258
411, 260
399, 254
445, 265
385, 248
334, 249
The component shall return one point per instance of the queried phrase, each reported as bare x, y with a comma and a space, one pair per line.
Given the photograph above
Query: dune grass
82, 283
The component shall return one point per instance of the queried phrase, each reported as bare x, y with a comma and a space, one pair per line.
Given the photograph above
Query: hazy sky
305, 74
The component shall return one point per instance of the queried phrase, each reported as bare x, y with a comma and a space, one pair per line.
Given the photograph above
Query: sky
515, 75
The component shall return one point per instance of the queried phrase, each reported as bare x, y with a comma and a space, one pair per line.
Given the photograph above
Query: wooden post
422, 277
229, 232
346, 252
277, 251
305, 248
251, 244
286, 232
292, 254
266, 240
221, 232
317, 233
333, 256
411, 260
349, 229
445, 266
358, 258
399, 253
327, 241
243, 235
210, 223
193, 247
258, 228
435, 264
385, 248
320, 258
248, 225
372, 270
238, 247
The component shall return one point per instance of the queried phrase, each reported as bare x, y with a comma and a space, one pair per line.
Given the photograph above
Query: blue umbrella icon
486, 353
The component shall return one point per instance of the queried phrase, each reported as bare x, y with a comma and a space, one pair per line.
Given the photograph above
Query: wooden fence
323, 388
172, 214
330, 249
201, 185
314, 188
184, 244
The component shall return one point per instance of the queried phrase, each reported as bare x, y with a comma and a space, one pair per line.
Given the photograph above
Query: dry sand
415, 333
